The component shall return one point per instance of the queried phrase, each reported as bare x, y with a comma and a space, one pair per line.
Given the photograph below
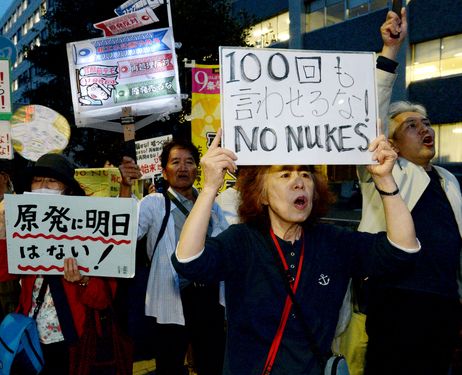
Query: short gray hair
396, 108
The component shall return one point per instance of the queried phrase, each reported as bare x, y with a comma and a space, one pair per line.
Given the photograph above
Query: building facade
430, 70
23, 24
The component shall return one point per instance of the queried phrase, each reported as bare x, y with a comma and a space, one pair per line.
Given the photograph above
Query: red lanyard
288, 305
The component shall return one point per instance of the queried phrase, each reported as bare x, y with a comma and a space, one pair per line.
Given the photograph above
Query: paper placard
42, 230
298, 107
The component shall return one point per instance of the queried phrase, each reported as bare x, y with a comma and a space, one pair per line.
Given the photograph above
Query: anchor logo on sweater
323, 279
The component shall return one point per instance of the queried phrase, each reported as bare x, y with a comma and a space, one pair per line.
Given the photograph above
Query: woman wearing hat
60, 320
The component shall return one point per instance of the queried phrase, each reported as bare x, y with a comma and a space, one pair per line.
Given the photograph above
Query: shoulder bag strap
163, 226
321, 358
178, 204
40, 298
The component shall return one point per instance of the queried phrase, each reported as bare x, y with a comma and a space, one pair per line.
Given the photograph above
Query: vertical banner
5, 90
206, 118
6, 146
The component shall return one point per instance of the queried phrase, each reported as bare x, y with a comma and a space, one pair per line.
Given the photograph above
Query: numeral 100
250, 67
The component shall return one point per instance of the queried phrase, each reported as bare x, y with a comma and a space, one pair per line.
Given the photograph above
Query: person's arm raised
400, 226
214, 164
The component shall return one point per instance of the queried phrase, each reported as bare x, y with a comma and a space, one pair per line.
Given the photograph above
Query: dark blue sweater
255, 292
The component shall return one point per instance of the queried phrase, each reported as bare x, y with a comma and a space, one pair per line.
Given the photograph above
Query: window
436, 58
321, 13
315, 15
335, 12
24, 5
448, 138
43, 7
37, 16
265, 33
15, 85
357, 8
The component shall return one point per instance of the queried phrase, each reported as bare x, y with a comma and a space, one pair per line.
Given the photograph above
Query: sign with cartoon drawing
137, 70
298, 107
42, 230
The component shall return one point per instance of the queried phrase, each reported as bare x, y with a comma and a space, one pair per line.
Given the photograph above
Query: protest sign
136, 70
104, 182
5, 89
148, 155
205, 114
42, 230
134, 5
37, 130
6, 147
127, 22
298, 107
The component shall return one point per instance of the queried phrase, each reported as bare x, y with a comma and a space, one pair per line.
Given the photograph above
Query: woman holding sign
61, 316
285, 274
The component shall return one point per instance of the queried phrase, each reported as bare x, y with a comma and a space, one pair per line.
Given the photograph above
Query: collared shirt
163, 299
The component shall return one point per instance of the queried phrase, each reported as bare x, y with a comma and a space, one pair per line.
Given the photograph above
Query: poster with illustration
298, 107
137, 70
42, 230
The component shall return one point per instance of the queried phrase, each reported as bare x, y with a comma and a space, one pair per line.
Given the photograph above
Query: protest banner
205, 113
5, 89
298, 107
6, 146
104, 182
42, 230
136, 70
127, 22
148, 155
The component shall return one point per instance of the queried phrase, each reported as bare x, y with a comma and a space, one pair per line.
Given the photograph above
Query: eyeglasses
50, 182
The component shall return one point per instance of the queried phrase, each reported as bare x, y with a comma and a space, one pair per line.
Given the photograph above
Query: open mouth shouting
428, 141
301, 202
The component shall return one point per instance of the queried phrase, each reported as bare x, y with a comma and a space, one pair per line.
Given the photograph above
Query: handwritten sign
5, 89
298, 107
6, 146
137, 70
148, 155
43, 230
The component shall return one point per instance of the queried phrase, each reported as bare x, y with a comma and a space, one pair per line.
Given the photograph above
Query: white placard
148, 155
43, 230
298, 107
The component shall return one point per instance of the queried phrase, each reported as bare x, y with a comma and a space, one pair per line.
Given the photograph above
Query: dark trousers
410, 333
56, 358
204, 330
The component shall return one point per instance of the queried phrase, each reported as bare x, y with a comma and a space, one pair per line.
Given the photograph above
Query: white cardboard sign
148, 155
298, 107
43, 230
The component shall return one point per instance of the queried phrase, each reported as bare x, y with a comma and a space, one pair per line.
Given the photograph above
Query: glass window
448, 140
283, 29
24, 5
36, 16
335, 13
437, 58
378, 4
315, 20
357, 8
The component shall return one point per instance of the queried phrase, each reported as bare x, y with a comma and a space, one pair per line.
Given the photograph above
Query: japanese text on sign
298, 107
148, 155
43, 230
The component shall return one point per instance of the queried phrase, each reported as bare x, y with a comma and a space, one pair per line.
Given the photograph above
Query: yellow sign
104, 182
206, 117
